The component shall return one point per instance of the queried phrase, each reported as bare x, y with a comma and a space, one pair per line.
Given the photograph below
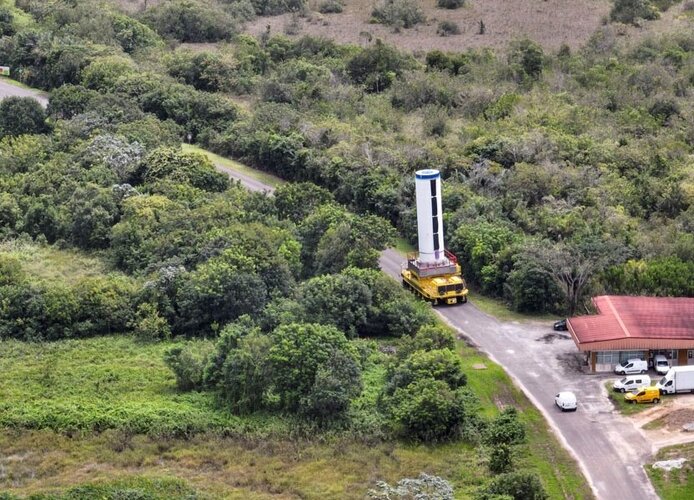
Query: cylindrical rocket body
429, 216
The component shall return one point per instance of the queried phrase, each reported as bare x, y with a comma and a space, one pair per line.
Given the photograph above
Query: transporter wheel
463, 300
622, 390
643, 371
656, 401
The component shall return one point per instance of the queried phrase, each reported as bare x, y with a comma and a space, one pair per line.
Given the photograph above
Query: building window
624, 355
607, 358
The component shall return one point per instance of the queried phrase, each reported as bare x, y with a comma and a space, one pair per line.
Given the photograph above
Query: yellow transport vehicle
648, 394
440, 283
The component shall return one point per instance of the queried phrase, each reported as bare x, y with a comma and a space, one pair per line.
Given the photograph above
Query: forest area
151, 307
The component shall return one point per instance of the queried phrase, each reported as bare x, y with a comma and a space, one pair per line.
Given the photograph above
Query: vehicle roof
567, 394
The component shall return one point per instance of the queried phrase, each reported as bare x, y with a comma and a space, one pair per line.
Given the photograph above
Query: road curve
610, 450
245, 180
9, 90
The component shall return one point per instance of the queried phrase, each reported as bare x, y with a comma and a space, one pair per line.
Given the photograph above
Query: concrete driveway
609, 448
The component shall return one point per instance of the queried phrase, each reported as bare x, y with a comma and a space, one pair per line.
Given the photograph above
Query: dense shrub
188, 21
505, 429
429, 410
188, 364
516, 485
630, 11
21, 115
6, 22
450, 4
398, 13
447, 28
376, 67
132, 35
193, 168
331, 6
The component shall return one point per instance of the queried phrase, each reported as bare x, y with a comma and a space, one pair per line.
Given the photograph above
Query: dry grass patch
550, 22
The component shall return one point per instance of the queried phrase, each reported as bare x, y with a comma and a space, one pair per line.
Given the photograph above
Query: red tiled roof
625, 322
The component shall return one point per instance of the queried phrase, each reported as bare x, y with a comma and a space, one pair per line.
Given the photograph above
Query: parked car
643, 395
631, 366
560, 325
661, 365
566, 401
631, 382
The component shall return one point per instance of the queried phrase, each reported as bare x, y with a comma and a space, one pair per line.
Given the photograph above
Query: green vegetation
124, 386
145, 296
676, 484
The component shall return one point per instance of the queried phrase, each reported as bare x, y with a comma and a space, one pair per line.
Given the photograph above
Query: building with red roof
635, 327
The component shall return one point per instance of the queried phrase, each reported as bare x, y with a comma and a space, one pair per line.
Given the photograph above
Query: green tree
297, 353
500, 459
438, 364
429, 410
21, 115
193, 168
296, 200
245, 376
527, 57
376, 67
339, 300
337, 382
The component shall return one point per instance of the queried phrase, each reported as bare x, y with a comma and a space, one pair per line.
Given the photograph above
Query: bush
331, 7
193, 168
398, 13
149, 325
517, 485
21, 115
132, 35
505, 429
188, 21
630, 11
429, 410
188, 364
447, 28
6, 22
450, 4
376, 67
526, 59
500, 459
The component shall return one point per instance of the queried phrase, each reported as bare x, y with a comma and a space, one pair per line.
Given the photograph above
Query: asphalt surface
246, 180
8, 90
609, 448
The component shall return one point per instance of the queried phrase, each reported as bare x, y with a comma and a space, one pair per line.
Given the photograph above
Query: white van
631, 382
661, 364
631, 366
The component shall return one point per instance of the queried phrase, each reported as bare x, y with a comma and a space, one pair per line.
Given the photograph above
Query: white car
631, 366
630, 382
661, 364
566, 401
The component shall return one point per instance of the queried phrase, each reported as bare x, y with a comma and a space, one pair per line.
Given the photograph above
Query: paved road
246, 181
608, 447
7, 90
